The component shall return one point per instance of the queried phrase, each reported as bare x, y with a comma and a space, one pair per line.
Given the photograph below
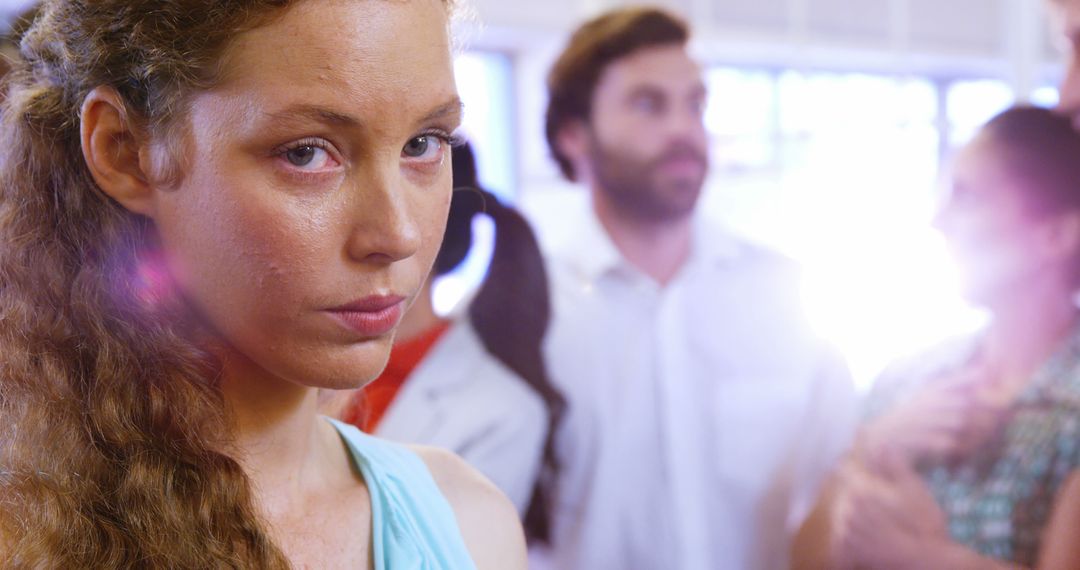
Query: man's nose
687, 124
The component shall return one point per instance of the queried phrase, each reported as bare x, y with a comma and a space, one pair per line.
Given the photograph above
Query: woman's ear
112, 148
1062, 239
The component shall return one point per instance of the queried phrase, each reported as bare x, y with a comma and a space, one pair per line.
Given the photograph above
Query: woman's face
316, 186
996, 239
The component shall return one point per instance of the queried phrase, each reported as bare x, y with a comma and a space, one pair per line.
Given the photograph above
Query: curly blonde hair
111, 445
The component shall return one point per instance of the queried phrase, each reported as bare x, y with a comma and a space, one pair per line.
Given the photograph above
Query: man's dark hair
593, 47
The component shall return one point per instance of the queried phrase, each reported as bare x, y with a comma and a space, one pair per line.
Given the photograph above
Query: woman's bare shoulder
488, 520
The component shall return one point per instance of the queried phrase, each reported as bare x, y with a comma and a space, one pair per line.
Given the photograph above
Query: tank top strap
413, 526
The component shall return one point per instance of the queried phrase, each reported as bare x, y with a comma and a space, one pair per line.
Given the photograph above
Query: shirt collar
592, 254
589, 249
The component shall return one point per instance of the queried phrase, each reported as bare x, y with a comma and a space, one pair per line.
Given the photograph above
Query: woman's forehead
345, 54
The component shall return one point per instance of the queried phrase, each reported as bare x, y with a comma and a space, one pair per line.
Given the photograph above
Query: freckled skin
261, 248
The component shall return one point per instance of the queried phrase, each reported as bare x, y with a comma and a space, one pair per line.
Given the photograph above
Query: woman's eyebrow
314, 113
452, 107
328, 116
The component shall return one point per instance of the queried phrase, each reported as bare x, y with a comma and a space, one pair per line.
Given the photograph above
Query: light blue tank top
413, 526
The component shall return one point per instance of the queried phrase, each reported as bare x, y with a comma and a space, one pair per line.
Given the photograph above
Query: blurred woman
969, 456
477, 385
211, 209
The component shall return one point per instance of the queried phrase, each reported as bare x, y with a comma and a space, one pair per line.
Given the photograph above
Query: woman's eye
308, 157
301, 156
423, 147
649, 105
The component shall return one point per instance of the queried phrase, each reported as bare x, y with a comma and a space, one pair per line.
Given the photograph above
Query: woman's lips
371, 316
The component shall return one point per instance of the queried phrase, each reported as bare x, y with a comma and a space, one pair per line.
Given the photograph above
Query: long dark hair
1041, 148
510, 311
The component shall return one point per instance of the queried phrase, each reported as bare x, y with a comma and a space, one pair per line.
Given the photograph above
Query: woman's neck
1027, 330
279, 438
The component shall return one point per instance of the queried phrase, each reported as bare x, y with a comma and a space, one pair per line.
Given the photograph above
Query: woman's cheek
437, 214
231, 256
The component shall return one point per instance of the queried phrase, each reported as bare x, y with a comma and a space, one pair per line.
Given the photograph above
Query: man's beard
633, 187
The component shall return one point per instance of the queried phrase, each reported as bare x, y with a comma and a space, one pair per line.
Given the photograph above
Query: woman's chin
988, 295
351, 369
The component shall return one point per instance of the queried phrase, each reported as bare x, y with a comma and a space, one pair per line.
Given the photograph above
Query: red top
370, 404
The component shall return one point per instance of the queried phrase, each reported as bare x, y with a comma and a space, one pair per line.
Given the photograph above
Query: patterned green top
999, 498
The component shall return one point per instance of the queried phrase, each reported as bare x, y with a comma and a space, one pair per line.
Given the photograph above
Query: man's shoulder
764, 257
747, 266
723, 242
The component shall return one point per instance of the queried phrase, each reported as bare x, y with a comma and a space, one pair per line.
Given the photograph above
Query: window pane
485, 83
850, 195
741, 117
1045, 96
972, 103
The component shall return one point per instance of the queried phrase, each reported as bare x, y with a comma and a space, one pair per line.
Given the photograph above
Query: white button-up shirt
703, 414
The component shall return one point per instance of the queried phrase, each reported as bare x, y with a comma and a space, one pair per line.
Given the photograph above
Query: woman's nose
384, 225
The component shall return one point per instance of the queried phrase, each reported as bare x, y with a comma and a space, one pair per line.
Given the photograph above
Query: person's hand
943, 421
885, 518
986, 418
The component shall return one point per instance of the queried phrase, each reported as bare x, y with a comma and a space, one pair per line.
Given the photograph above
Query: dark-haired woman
477, 385
969, 457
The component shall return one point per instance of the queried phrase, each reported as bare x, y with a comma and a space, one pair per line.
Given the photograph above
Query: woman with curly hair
211, 209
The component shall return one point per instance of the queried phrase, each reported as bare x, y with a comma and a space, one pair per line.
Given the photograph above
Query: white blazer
462, 399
